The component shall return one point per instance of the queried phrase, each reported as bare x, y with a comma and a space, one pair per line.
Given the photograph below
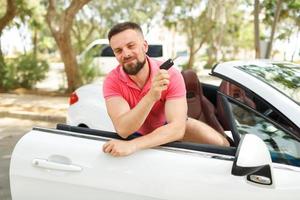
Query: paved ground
18, 114
34, 107
11, 130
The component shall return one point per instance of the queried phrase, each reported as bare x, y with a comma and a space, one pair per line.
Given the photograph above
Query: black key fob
167, 65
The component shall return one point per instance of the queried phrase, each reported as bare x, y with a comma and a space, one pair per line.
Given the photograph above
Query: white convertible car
257, 105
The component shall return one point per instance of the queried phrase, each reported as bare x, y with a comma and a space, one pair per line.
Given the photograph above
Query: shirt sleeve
111, 87
176, 87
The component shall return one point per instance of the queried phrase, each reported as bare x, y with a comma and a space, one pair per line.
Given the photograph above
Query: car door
283, 145
56, 164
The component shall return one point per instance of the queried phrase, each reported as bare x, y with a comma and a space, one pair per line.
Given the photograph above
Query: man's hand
119, 148
160, 83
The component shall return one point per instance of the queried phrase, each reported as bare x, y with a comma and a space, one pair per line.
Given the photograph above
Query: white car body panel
90, 95
270, 94
160, 173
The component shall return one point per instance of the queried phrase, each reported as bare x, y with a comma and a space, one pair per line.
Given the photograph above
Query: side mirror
253, 160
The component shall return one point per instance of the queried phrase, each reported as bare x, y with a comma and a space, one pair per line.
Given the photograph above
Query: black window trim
229, 98
88, 133
230, 119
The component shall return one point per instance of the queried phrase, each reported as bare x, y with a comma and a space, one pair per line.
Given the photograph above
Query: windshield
285, 77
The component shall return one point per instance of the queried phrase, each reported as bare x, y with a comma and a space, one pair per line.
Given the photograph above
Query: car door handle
42, 163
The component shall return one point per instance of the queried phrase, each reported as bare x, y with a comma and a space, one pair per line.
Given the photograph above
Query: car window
283, 146
107, 52
253, 101
104, 50
155, 51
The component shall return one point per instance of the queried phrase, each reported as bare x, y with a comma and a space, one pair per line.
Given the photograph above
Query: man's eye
117, 51
131, 46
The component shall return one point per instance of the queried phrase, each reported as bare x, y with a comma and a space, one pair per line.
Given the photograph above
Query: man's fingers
164, 82
114, 153
104, 146
162, 74
162, 77
107, 148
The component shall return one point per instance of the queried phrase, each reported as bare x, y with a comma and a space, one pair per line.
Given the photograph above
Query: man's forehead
125, 37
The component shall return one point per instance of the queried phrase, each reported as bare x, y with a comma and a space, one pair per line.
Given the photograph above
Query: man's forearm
162, 135
132, 120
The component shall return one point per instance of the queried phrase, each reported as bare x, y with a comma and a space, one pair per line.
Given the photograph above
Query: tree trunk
256, 29
191, 61
11, 12
276, 18
1, 57
193, 49
35, 39
68, 57
60, 26
191, 45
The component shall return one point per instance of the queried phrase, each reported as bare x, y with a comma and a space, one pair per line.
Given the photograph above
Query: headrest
192, 82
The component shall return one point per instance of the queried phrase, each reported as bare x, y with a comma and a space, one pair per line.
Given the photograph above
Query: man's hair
118, 28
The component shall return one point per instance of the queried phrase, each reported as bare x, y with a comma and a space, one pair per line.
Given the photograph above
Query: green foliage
2, 73
88, 71
141, 12
24, 71
289, 18
95, 19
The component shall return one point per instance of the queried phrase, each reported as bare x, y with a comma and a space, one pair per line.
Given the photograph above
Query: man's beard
133, 70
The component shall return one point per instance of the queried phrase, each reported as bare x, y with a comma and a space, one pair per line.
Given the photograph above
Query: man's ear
145, 46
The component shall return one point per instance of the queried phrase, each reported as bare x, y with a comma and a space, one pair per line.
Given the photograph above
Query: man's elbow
123, 133
179, 129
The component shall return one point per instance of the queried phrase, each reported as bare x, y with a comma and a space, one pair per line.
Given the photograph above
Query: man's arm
176, 113
126, 121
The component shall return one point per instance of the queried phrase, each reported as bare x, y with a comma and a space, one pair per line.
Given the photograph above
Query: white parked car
258, 102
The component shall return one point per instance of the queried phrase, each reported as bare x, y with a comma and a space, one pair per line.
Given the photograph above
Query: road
11, 130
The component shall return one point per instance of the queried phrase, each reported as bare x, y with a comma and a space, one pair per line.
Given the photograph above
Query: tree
213, 24
276, 13
87, 26
60, 25
192, 20
274, 24
143, 12
289, 22
256, 28
94, 20
230, 34
10, 13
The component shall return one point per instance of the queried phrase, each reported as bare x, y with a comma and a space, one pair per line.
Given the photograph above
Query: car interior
205, 104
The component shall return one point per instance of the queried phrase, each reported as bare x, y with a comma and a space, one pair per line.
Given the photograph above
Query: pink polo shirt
118, 83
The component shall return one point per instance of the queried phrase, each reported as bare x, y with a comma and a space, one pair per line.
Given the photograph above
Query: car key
168, 64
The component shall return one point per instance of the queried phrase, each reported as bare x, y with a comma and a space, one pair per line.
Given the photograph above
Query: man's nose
126, 53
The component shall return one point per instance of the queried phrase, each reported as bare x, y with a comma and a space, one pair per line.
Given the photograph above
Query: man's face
130, 50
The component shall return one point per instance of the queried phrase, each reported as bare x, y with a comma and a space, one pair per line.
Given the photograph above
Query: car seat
199, 107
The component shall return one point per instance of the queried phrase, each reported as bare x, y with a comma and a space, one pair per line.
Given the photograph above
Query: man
142, 99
